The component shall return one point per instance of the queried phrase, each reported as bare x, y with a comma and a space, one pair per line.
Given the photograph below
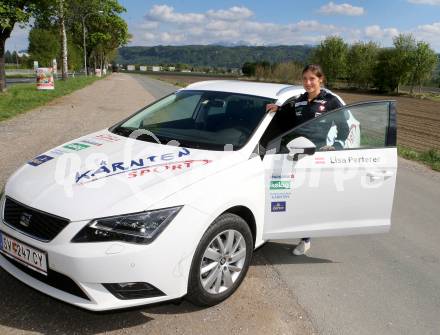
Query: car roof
267, 90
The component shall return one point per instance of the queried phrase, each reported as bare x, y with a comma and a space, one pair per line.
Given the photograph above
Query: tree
12, 12
331, 54
263, 70
76, 60
288, 72
405, 46
63, 35
44, 46
386, 72
248, 69
106, 30
361, 61
54, 16
8, 57
423, 64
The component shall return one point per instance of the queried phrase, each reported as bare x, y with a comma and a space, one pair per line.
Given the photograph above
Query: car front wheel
221, 260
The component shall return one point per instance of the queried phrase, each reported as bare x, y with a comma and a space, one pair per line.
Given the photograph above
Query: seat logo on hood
111, 169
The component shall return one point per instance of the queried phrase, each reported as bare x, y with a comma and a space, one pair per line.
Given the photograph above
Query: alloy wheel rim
223, 261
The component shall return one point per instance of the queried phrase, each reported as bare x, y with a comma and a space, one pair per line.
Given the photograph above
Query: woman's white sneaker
301, 248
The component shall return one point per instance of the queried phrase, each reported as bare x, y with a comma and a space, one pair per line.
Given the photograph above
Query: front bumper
165, 263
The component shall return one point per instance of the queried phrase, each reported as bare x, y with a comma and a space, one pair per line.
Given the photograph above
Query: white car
173, 200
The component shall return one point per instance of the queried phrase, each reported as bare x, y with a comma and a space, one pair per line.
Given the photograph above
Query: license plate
25, 254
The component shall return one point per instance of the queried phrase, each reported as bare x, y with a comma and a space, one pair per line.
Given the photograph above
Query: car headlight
141, 227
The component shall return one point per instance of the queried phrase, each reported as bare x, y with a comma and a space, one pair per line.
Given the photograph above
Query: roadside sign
45, 78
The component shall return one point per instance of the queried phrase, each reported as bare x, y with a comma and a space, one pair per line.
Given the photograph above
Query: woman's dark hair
316, 70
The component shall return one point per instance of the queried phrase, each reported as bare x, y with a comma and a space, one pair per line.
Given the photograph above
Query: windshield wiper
123, 131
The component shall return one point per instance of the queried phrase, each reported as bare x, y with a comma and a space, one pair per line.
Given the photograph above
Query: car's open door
312, 191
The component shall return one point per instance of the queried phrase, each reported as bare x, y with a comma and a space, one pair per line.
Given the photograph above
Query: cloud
312, 26
149, 25
342, 9
375, 32
232, 14
430, 28
163, 25
429, 33
425, 2
19, 38
165, 13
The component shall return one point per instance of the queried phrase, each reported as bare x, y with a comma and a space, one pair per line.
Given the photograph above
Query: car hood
103, 174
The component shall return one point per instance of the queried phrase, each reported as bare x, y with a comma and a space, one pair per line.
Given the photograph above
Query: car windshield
198, 119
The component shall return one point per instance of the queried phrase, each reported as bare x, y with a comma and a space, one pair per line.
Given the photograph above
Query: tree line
212, 56
365, 64
362, 65
66, 30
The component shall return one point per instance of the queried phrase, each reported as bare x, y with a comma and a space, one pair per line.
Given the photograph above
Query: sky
274, 22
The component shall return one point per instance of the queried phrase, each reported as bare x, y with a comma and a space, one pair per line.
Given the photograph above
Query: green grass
429, 157
23, 97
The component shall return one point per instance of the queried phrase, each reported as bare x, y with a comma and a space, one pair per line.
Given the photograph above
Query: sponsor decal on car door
337, 192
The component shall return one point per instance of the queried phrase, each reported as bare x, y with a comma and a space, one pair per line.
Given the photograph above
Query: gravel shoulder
263, 304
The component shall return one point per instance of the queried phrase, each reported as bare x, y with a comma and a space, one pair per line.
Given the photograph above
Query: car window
171, 108
359, 126
200, 119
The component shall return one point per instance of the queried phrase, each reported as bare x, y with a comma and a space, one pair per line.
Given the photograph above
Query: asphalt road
377, 284
156, 88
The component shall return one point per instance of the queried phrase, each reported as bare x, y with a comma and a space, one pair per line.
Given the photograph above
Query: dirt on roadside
262, 305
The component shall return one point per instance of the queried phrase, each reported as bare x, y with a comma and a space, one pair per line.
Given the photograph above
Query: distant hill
212, 55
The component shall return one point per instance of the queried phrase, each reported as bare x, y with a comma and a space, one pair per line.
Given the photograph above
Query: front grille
37, 224
53, 278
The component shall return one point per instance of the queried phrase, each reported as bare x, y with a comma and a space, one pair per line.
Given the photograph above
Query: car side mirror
300, 146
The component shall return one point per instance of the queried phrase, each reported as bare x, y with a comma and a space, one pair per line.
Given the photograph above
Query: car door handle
378, 175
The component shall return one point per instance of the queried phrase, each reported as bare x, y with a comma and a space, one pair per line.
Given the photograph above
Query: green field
23, 97
428, 157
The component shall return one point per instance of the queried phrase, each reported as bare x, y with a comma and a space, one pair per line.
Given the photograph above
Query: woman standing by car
313, 103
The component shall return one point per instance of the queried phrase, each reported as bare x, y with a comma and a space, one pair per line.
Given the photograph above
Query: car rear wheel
221, 260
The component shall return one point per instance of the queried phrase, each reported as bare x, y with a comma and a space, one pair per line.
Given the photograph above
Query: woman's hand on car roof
272, 108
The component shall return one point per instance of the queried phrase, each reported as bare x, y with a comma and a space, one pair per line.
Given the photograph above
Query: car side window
360, 126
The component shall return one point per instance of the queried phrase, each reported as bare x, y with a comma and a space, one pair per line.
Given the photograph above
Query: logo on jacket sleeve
278, 206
